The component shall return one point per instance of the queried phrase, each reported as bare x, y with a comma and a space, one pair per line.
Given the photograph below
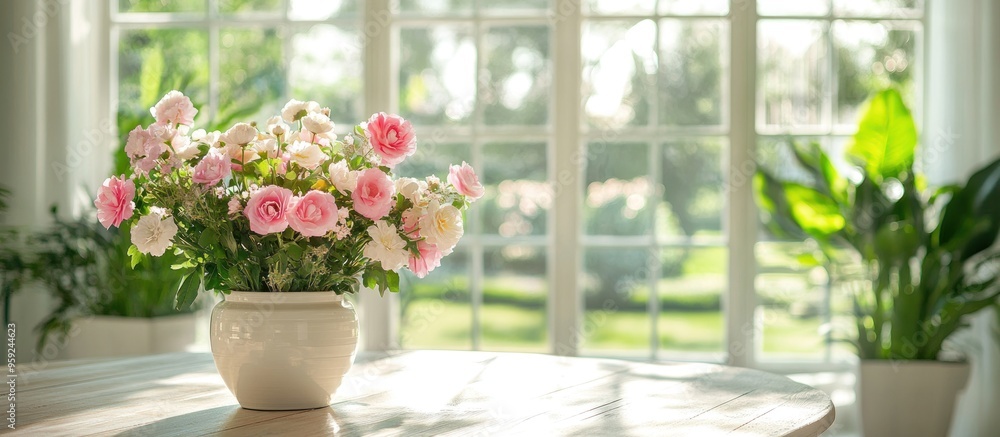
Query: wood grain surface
427, 393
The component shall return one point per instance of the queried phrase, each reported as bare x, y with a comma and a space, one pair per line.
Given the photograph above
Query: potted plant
284, 219
925, 260
103, 310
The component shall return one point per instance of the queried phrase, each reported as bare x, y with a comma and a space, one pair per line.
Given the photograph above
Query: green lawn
437, 324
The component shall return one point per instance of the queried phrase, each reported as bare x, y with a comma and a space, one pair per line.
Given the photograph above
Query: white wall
54, 136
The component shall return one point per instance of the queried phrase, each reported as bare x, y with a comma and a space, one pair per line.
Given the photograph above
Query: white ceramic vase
284, 351
909, 398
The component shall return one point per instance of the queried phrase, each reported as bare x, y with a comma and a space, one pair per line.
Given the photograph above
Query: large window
612, 138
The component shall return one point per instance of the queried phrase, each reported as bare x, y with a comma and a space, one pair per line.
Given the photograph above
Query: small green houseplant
928, 256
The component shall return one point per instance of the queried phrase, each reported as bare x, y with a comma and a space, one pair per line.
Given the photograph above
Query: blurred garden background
476, 78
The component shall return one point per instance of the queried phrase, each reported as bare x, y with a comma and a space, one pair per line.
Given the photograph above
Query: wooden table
427, 393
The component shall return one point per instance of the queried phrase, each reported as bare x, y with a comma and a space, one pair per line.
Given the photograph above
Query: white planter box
110, 336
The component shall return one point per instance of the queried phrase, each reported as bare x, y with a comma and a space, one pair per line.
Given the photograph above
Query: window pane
619, 66
501, 6
879, 8
618, 190
323, 9
155, 61
251, 77
516, 77
629, 7
792, 72
161, 6
230, 6
690, 289
515, 291
793, 7
791, 301
871, 56
437, 74
436, 313
435, 7
691, 180
518, 195
616, 295
325, 67
691, 71
432, 158
694, 7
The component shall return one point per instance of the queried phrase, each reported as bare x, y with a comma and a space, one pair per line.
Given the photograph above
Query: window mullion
741, 226
565, 304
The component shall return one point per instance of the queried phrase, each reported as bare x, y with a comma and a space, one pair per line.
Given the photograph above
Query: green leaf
887, 137
188, 290
264, 168
816, 213
974, 206
135, 256
208, 238
294, 251
392, 278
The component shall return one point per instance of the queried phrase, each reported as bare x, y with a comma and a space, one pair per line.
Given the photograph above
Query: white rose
317, 123
409, 188
154, 233
386, 247
292, 109
442, 226
342, 177
307, 155
240, 133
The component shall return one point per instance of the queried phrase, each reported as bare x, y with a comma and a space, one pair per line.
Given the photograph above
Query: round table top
429, 393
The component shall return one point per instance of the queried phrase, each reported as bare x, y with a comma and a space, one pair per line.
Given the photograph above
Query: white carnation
154, 233
307, 155
441, 225
386, 247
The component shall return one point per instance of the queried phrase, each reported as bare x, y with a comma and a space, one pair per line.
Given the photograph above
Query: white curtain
962, 133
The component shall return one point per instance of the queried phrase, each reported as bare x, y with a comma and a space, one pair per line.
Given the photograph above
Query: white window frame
566, 160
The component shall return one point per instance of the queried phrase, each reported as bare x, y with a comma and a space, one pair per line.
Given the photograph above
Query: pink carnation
429, 259
313, 214
267, 208
213, 168
374, 194
174, 107
391, 137
114, 201
465, 181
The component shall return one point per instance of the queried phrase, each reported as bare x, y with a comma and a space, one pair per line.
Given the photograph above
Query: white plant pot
908, 398
284, 351
113, 336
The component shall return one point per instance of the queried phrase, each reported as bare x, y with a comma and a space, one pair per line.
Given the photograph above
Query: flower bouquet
283, 207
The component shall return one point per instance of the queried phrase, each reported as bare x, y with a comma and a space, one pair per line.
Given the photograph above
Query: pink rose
374, 194
313, 214
213, 168
266, 209
174, 107
465, 181
391, 137
114, 201
429, 259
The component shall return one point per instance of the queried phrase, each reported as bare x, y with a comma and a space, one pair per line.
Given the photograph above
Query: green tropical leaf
886, 138
816, 213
